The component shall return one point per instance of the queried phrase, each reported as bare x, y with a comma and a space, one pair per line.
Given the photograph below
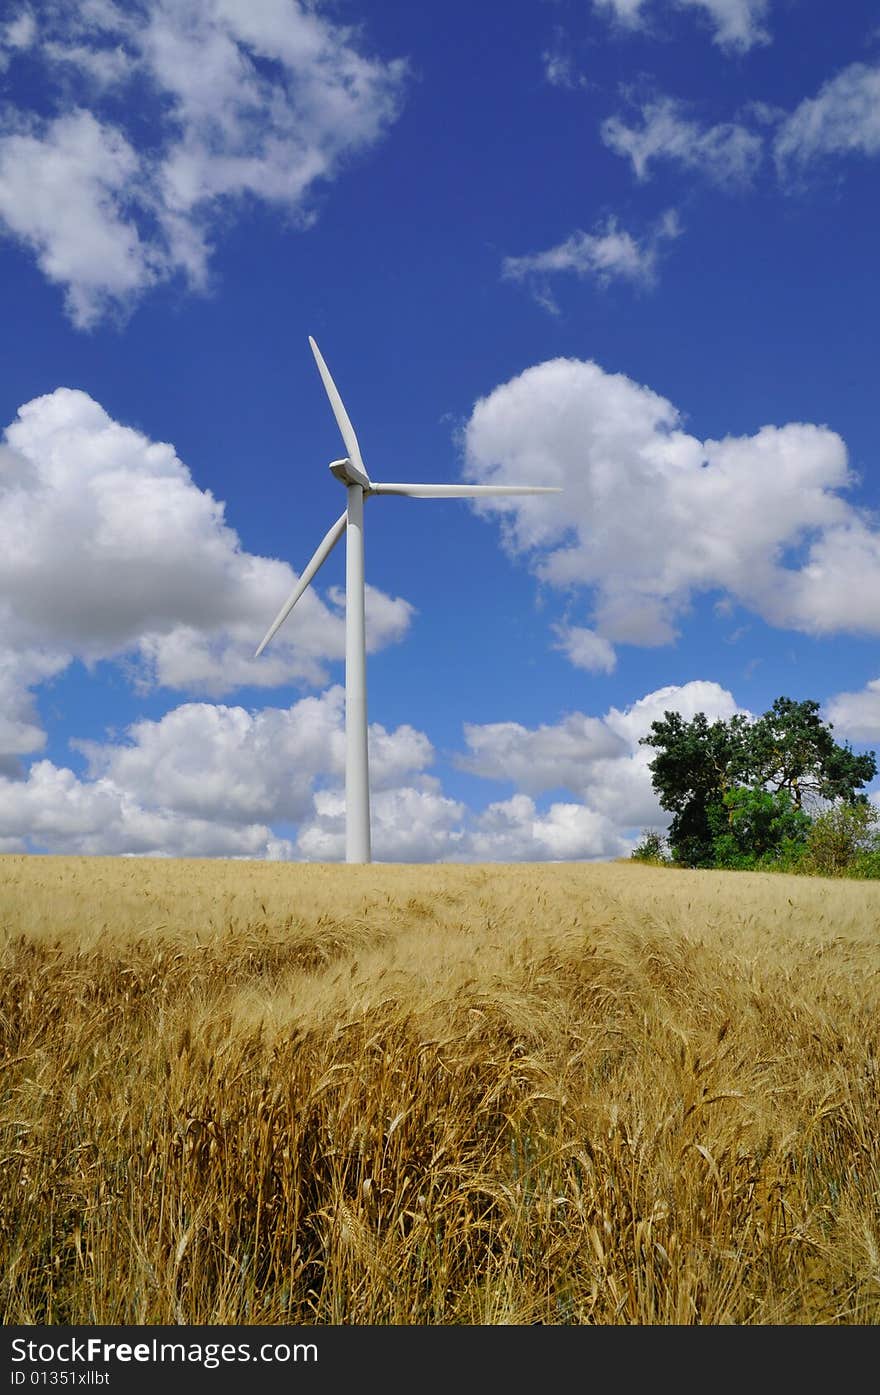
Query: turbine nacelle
348, 473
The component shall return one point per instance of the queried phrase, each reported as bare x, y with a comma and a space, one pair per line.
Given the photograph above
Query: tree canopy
788, 752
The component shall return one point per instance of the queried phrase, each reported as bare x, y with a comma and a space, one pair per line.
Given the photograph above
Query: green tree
788, 750
794, 750
757, 828
696, 763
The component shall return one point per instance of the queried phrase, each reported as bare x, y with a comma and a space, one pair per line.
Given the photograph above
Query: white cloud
210, 780
699, 695
559, 68
546, 758
629, 13
220, 659
857, 715
515, 831
836, 588
21, 670
53, 808
221, 781
89, 171
735, 24
585, 649
844, 118
421, 824
728, 153
226, 763
201, 759
621, 789
599, 760
257, 101
18, 33
650, 516
111, 551
606, 254
626, 13
408, 824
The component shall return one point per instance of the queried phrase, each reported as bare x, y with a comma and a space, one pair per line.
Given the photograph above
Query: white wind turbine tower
359, 486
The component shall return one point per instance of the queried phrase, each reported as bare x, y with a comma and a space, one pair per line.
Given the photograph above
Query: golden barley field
255, 1093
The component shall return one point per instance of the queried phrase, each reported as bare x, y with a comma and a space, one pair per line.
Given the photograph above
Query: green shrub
866, 864
757, 829
652, 848
842, 838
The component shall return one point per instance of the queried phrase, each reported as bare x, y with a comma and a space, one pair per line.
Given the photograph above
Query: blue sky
624, 247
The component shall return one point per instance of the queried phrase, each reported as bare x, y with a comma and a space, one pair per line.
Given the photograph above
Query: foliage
843, 838
865, 866
696, 762
789, 751
756, 828
793, 749
653, 847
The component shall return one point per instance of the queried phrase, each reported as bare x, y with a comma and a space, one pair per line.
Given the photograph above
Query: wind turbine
351, 472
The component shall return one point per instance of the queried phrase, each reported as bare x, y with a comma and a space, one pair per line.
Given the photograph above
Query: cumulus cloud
408, 824
173, 112
21, 671
225, 762
842, 119
54, 809
727, 153
857, 715
111, 551
207, 780
736, 24
608, 253
418, 822
585, 649
597, 759
203, 759
222, 781
513, 830
545, 758
650, 516
89, 170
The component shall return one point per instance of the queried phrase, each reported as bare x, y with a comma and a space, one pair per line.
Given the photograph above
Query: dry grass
253, 1093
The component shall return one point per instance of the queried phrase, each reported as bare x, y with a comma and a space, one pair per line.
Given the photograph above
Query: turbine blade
322, 552
461, 491
341, 415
